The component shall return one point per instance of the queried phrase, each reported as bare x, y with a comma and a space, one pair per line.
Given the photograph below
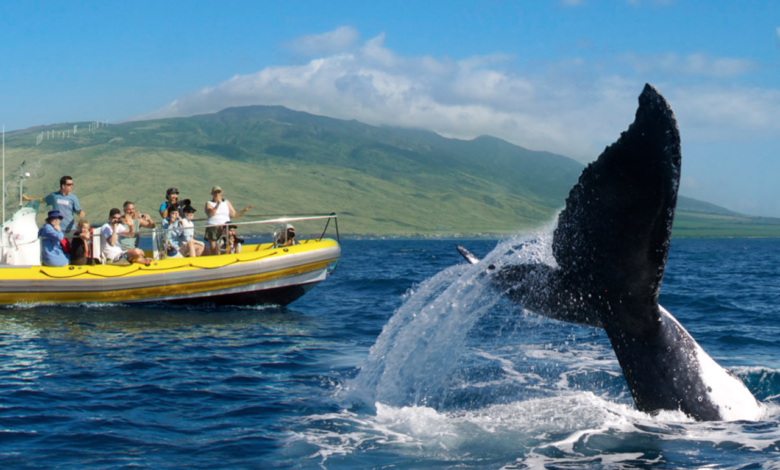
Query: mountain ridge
383, 180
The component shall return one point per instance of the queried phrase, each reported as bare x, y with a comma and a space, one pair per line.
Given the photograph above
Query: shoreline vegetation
382, 182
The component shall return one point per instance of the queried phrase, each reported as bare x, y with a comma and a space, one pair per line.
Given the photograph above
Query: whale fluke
619, 215
611, 246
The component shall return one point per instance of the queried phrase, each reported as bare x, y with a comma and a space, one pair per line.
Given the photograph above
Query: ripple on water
479, 385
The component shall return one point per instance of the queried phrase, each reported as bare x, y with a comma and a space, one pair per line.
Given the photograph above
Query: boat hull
280, 296
260, 275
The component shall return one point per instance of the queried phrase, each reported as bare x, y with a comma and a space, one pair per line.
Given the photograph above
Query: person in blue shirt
51, 241
63, 201
171, 198
173, 231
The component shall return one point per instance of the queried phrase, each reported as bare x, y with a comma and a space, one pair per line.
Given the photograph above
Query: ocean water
404, 359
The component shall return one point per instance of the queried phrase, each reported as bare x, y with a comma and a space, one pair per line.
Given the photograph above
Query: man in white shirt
112, 251
219, 211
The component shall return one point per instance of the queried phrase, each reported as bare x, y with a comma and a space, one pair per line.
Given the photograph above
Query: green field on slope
381, 181
691, 225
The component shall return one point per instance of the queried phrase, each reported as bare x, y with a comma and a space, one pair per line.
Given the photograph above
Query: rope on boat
74, 271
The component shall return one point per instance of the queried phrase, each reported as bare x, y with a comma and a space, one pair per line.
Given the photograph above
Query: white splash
411, 361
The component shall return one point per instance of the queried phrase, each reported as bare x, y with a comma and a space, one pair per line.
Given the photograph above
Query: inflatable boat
261, 274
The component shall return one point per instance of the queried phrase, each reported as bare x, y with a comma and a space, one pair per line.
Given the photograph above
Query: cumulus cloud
563, 107
339, 40
698, 64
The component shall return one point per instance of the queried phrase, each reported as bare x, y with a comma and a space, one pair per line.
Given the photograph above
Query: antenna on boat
3, 175
22, 176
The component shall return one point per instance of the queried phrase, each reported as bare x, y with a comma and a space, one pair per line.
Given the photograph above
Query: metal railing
157, 234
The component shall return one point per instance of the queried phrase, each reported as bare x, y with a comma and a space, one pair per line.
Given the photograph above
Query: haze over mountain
382, 181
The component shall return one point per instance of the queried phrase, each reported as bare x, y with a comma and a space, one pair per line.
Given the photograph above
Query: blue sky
561, 76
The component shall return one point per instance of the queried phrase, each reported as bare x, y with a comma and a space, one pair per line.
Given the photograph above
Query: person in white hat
219, 212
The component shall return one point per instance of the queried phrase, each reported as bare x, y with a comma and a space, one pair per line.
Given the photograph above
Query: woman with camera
172, 199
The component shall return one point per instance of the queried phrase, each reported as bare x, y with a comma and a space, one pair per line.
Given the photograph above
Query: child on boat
192, 247
81, 250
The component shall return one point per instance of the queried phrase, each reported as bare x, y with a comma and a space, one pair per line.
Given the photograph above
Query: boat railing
276, 220
157, 235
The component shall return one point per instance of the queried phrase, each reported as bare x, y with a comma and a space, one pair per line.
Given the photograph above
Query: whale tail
611, 246
613, 236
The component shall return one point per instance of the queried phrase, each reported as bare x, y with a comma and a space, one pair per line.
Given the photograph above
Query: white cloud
338, 40
692, 65
564, 107
712, 113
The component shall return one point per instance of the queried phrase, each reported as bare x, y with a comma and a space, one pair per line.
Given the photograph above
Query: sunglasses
68, 184
116, 218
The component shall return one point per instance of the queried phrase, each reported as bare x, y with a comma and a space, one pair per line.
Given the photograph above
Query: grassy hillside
381, 181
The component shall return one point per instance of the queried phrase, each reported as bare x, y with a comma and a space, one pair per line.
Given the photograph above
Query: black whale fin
467, 255
612, 238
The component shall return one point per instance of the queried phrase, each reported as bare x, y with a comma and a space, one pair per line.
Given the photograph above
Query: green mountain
381, 181
698, 219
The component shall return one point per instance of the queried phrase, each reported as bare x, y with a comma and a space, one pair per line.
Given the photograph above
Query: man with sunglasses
109, 237
63, 201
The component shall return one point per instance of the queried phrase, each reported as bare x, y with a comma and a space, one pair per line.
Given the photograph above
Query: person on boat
109, 236
193, 247
52, 253
286, 237
234, 242
63, 201
219, 212
173, 232
172, 198
81, 250
132, 222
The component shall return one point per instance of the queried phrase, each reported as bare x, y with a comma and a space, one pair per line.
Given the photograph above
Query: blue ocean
405, 358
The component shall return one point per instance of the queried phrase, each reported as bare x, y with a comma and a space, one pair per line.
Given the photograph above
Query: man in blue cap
51, 241
63, 201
